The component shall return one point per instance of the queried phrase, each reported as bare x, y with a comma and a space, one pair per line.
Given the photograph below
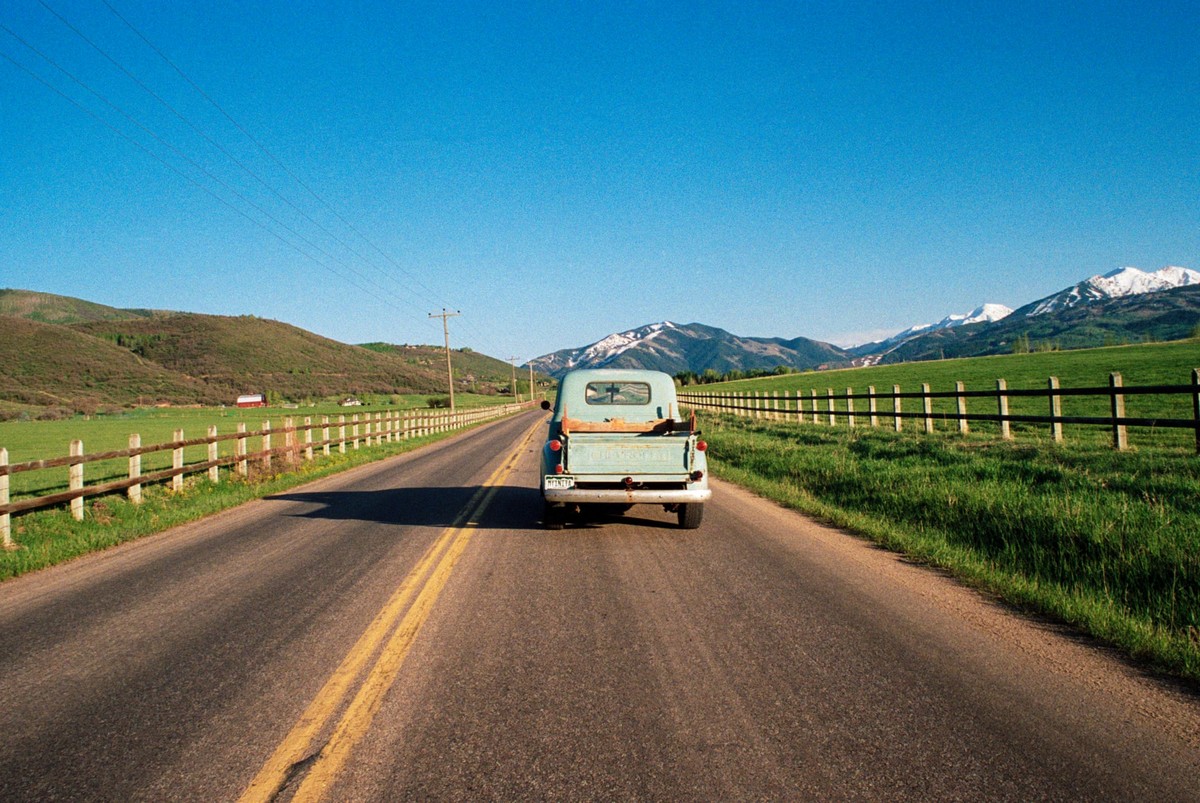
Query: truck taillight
697, 476
558, 469
701, 446
555, 445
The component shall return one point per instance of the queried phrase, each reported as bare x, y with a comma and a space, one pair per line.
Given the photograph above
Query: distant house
252, 400
351, 402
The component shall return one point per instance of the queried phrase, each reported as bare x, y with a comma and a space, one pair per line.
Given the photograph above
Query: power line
428, 294
201, 168
175, 169
226, 186
274, 159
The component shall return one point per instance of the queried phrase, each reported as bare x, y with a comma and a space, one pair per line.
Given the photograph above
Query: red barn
252, 400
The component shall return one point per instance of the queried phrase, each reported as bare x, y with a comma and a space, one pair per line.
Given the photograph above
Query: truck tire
690, 515
552, 516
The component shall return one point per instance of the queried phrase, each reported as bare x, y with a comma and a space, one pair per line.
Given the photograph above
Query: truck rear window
618, 393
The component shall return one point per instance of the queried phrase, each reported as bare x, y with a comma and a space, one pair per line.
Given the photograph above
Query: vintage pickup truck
617, 438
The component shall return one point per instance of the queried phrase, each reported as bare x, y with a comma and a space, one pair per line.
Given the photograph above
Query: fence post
1120, 431
1002, 400
5, 518
832, 408
799, 407
325, 435
290, 444
239, 450
214, 475
354, 428
342, 434
177, 462
850, 407
927, 407
1056, 429
872, 406
266, 445
308, 448
897, 408
1196, 404
75, 479
961, 403
135, 469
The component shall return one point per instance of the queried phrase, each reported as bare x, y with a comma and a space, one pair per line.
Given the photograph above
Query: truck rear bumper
577, 496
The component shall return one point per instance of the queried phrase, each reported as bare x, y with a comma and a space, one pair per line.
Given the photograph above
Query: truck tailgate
603, 453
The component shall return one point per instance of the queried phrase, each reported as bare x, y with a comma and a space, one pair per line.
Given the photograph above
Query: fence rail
298, 443
781, 406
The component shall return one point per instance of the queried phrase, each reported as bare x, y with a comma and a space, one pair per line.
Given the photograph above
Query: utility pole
531, 380
513, 362
445, 316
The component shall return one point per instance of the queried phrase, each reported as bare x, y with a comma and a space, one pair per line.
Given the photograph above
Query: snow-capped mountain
1116, 284
694, 347
1126, 305
603, 352
870, 353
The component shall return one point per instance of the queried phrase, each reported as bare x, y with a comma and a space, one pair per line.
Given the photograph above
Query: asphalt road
406, 630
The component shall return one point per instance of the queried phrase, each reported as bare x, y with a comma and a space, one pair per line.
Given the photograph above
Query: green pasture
1139, 365
50, 536
40, 440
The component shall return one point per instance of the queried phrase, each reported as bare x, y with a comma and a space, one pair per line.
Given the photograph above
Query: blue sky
561, 171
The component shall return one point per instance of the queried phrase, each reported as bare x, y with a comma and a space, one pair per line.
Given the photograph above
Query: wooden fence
289, 444
784, 406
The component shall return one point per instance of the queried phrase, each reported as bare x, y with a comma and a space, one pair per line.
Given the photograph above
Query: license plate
560, 483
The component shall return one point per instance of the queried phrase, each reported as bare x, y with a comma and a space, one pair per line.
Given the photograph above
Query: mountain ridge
675, 348
1071, 318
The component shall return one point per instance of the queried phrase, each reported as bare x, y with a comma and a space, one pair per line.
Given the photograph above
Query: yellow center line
357, 719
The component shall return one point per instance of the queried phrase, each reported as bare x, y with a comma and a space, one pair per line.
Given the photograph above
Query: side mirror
545, 404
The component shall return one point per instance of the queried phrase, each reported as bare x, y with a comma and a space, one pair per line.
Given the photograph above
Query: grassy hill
471, 369
55, 370
1144, 364
246, 354
72, 355
49, 308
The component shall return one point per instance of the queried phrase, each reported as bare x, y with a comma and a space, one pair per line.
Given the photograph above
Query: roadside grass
52, 536
1108, 542
1143, 364
39, 440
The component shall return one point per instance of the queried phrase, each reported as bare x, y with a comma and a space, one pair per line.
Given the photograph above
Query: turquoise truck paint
617, 437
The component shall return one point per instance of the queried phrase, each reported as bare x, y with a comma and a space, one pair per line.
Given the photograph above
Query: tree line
711, 375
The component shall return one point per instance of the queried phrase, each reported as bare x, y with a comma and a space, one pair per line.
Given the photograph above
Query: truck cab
618, 438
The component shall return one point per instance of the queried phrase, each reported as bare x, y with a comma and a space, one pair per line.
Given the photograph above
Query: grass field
1106, 541
1145, 364
39, 440
51, 536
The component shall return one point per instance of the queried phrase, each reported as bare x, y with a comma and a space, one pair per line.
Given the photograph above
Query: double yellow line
398, 622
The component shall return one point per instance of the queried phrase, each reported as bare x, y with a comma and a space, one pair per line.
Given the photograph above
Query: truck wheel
690, 515
552, 516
